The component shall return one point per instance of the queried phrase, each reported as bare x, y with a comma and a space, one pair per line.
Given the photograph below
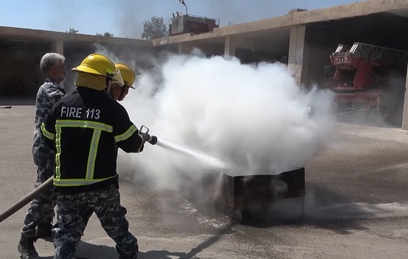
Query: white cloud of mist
253, 118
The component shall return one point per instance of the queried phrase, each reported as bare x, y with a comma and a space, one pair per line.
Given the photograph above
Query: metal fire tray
239, 194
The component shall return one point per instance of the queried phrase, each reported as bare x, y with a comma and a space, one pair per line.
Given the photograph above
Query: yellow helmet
127, 74
98, 64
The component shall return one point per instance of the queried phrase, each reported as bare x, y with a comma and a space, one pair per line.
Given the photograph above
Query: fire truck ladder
368, 51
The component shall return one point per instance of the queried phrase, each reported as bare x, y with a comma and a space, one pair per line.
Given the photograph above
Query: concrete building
22, 49
302, 39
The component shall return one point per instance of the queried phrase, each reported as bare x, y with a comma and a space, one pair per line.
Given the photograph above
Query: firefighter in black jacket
86, 127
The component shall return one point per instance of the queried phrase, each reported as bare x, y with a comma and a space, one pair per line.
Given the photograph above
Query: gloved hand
145, 136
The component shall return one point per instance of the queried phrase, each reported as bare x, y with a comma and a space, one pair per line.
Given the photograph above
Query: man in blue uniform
86, 128
41, 210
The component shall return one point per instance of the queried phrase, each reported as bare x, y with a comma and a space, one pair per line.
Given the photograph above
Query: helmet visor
116, 78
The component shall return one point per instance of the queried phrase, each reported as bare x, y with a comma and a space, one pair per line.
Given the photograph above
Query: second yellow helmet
128, 75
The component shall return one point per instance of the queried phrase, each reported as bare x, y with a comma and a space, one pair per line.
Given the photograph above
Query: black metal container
245, 195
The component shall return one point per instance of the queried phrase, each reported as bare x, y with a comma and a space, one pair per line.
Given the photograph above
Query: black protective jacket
86, 127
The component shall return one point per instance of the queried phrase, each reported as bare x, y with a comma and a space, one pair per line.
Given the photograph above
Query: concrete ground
356, 205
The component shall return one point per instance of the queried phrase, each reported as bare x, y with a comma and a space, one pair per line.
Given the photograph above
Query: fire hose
45, 185
26, 199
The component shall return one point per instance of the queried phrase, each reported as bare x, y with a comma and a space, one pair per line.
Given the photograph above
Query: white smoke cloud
252, 118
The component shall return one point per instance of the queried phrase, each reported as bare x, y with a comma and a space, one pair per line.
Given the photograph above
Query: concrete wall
21, 74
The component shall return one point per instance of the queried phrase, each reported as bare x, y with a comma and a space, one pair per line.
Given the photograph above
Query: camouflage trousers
42, 207
73, 212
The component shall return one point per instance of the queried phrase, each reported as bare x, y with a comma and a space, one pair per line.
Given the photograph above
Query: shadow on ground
164, 254
91, 251
321, 208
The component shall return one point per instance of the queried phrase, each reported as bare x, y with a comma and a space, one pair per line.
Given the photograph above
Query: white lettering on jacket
71, 112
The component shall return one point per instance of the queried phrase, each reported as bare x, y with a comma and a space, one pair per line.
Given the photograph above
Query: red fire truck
367, 77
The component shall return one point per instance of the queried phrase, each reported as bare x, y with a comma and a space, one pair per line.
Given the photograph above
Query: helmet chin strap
108, 84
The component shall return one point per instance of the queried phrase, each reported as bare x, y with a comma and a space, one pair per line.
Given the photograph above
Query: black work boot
133, 255
44, 230
27, 249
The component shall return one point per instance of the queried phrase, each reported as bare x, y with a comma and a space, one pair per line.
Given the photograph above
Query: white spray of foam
251, 117
206, 159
